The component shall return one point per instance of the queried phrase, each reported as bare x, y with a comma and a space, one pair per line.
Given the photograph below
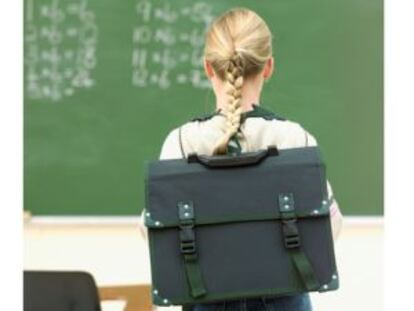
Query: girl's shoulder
260, 127
256, 112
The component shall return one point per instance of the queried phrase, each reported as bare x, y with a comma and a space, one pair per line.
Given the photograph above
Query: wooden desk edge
138, 297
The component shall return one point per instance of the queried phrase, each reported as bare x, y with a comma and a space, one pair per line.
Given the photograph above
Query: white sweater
258, 133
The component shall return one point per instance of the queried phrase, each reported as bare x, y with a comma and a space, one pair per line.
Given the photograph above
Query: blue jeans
287, 303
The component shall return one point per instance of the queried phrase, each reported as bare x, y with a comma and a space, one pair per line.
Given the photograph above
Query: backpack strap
257, 112
306, 138
206, 117
292, 243
181, 142
260, 112
188, 243
189, 249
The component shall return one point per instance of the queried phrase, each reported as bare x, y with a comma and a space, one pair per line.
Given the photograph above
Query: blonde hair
238, 44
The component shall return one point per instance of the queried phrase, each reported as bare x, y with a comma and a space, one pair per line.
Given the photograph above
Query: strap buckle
187, 239
187, 236
291, 233
188, 249
289, 220
292, 241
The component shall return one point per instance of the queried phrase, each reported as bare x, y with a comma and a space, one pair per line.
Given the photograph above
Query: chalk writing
168, 44
60, 48
61, 40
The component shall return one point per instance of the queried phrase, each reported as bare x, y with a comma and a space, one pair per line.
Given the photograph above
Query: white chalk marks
168, 44
61, 42
60, 48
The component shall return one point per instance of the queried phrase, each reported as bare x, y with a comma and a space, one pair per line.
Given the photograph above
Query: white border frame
135, 220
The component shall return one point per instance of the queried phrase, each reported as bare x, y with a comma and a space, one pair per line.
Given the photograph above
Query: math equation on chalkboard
168, 44
63, 45
60, 48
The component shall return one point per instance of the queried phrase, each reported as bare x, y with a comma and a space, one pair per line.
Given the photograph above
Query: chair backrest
60, 291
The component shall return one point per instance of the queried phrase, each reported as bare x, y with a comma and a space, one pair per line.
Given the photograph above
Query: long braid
238, 45
234, 83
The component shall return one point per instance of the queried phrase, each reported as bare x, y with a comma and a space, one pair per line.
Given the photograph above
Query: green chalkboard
105, 81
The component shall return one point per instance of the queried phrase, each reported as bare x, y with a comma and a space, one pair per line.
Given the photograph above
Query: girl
237, 60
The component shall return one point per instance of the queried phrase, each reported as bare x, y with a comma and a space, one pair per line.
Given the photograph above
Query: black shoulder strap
181, 142
205, 117
260, 112
257, 112
292, 241
306, 139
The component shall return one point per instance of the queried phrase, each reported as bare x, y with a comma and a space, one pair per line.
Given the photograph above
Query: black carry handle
218, 161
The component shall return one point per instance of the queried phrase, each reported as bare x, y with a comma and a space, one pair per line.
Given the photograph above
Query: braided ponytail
238, 44
234, 84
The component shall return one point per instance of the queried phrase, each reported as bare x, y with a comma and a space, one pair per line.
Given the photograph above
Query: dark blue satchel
228, 227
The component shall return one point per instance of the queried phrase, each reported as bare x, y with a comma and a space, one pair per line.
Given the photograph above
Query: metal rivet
186, 206
286, 206
325, 286
334, 277
324, 202
286, 198
186, 214
316, 211
157, 223
147, 214
165, 301
155, 292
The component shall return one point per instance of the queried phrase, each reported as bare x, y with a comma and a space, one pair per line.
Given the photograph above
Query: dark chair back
60, 291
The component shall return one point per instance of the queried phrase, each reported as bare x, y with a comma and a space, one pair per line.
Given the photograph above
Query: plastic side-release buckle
289, 221
291, 233
187, 239
187, 235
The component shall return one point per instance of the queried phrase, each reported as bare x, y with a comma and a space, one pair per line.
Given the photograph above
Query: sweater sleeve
171, 148
336, 215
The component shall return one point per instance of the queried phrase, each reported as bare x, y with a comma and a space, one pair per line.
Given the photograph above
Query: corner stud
158, 300
332, 285
149, 222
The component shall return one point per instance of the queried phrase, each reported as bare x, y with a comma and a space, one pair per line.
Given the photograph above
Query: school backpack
240, 225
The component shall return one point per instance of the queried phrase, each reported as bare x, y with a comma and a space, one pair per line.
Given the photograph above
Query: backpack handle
244, 159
